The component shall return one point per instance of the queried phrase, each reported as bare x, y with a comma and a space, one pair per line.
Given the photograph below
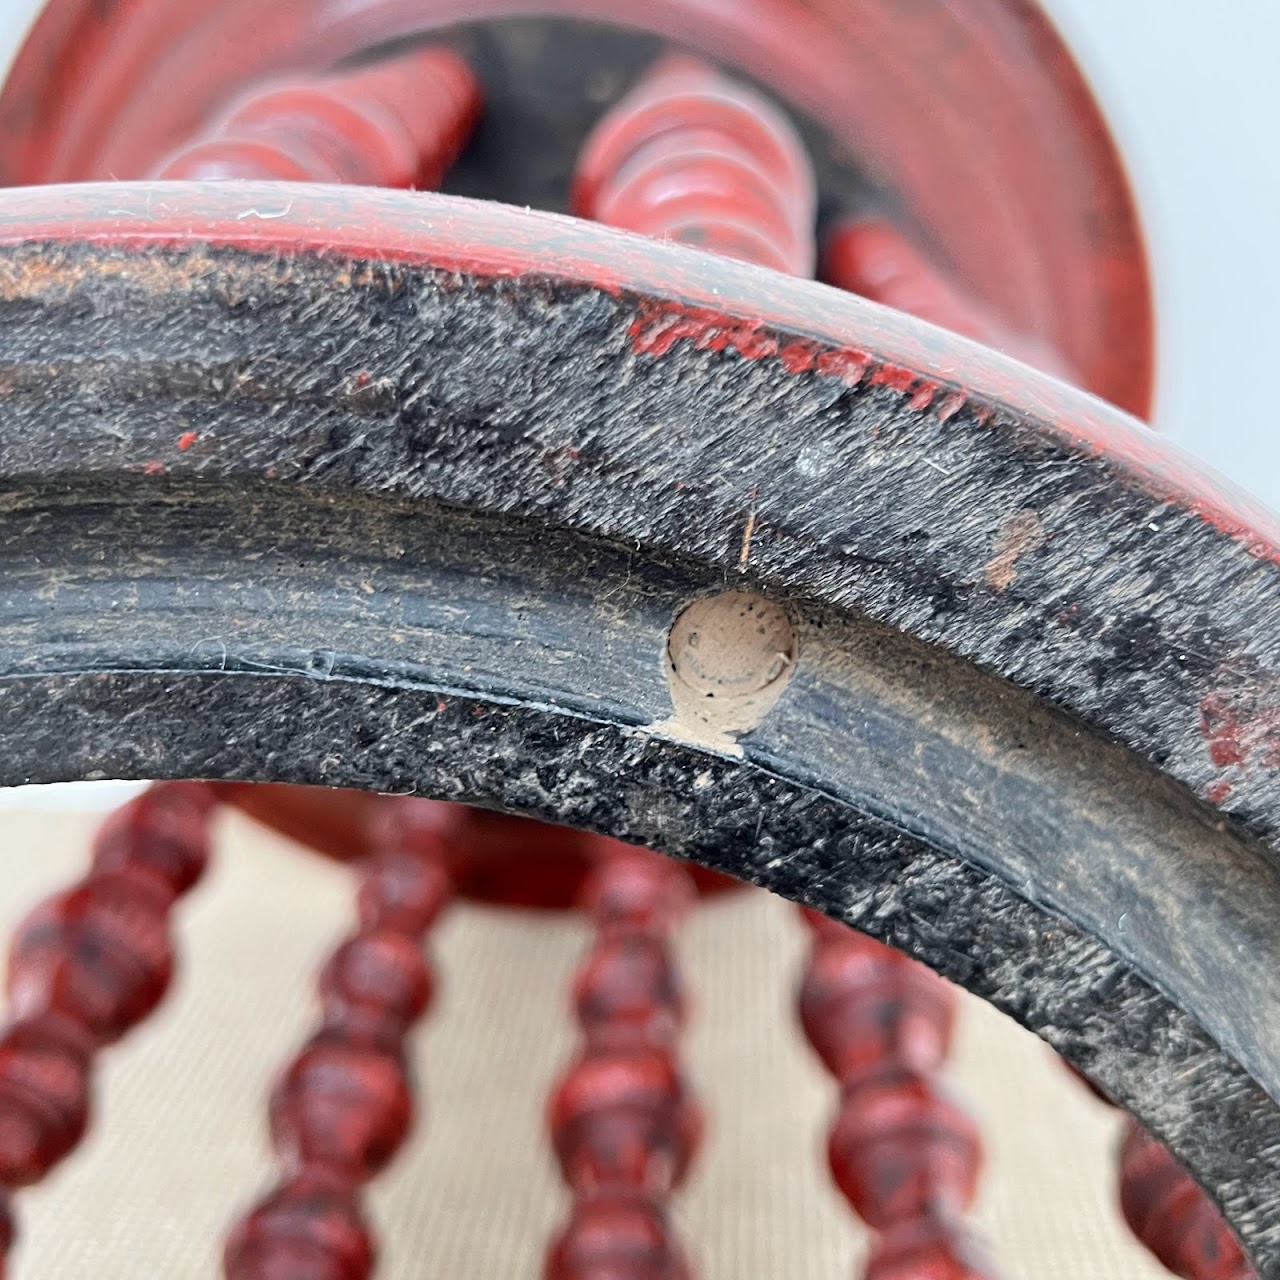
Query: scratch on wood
748, 533
1020, 533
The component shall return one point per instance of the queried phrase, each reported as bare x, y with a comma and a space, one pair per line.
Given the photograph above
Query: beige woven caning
179, 1142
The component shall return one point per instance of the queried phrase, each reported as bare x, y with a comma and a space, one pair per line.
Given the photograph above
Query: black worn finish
386, 527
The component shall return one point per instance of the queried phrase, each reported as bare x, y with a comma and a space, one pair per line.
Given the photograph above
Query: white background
1193, 95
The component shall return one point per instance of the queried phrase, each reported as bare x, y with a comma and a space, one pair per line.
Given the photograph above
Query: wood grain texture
458, 576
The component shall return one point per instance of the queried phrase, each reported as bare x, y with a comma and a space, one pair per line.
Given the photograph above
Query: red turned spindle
876, 260
1172, 1216
343, 1107
623, 1122
85, 967
905, 1155
400, 123
1167, 1211
694, 156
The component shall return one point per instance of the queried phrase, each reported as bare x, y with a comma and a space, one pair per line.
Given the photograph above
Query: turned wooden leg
399, 123
903, 1152
623, 1121
86, 966
342, 1108
1170, 1214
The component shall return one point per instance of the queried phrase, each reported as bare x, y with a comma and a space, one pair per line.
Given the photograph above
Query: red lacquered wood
905, 1155
1172, 1216
45, 1095
342, 1108
400, 123
98, 955
622, 1117
927, 1249
617, 1235
342, 1105
490, 857
628, 992
637, 894
335, 823
901, 1148
971, 111
692, 155
85, 967
8, 1231
309, 1228
860, 1007
876, 259
376, 984
1167, 1210
623, 1122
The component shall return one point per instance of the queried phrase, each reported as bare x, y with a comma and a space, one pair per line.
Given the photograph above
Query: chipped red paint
923, 395
660, 324
971, 111
485, 241
1241, 735
692, 156
798, 358
952, 403
186, 440
1217, 792
656, 329
1221, 730
850, 367
891, 376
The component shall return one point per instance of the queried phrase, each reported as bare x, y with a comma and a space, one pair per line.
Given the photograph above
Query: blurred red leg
86, 966
875, 259
693, 155
904, 1153
400, 123
343, 1107
623, 1121
1170, 1214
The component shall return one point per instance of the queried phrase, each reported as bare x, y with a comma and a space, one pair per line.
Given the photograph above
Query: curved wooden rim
963, 542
